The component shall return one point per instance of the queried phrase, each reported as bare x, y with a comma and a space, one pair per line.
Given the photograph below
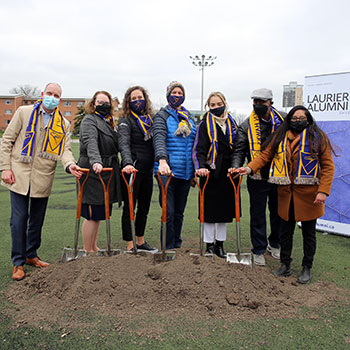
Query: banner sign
327, 97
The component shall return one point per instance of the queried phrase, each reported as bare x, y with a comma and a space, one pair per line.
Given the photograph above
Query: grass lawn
326, 328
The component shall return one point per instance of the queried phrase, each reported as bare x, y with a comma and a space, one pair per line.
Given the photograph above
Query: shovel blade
243, 258
106, 252
69, 254
166, 255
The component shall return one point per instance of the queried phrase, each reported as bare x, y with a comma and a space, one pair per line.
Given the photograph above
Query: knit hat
172, 86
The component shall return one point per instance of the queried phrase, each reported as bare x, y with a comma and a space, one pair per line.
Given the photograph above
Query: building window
7, 121
8, 111
67, 114
80, 104
8, 102
68, 104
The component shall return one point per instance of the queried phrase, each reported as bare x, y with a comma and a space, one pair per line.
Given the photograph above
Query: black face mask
260, 109
218, 111
104, 109
298, 126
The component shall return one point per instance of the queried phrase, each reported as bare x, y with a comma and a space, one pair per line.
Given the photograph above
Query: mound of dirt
129, 287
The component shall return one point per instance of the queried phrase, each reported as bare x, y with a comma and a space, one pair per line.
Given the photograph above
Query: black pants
142, 194
262, 193
309, 238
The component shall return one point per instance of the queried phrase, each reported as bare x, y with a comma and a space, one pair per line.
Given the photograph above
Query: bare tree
26, 90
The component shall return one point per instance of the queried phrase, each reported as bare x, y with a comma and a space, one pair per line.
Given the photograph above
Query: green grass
326, 328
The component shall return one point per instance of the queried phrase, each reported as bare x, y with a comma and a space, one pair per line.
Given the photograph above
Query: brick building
10, 103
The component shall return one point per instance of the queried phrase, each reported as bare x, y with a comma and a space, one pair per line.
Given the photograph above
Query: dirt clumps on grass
128, 287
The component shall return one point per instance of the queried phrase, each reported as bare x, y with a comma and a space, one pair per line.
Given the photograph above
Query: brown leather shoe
18, 273
36, 262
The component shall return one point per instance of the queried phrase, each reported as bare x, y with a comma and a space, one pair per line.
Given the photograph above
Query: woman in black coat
136, 148
98, 149
212, 153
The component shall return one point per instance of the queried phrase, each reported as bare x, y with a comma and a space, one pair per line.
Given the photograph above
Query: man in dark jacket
251, 135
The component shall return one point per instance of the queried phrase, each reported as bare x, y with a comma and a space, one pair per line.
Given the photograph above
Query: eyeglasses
297, 119
99, 102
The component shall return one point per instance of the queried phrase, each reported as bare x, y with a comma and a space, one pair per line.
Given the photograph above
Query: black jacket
241, 149
99, 144
133, 147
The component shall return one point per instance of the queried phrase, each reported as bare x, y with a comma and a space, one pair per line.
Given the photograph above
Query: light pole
202, 61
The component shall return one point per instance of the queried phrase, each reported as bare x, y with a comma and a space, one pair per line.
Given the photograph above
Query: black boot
305, 275
210, 248
219, 249
283, 271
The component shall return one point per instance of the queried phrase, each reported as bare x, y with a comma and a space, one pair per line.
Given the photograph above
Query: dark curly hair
316, 137
126, 110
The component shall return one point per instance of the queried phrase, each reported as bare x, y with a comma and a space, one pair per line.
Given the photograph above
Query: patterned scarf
254, 133
145, 123
107, 119
184, 127
54, 139
231, 129
308, 167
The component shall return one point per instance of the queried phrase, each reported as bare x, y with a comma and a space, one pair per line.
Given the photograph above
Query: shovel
239, 258
164, 255
201, 216
69, 254
108, 251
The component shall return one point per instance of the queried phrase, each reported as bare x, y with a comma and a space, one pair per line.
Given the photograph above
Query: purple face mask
176, 101
138, 105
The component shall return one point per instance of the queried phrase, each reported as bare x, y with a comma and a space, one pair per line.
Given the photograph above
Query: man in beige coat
31, 145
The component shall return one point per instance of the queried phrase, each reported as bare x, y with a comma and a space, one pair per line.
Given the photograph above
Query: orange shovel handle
164, 194
129, 186
80, 191
201, 197
106, 189
236, 190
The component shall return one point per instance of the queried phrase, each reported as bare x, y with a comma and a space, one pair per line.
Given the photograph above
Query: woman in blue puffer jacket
174, 133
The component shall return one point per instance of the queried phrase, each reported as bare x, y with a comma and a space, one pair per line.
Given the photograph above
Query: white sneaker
259, 259
275, 252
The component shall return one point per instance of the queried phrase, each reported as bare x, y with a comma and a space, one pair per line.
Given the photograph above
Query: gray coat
99, 144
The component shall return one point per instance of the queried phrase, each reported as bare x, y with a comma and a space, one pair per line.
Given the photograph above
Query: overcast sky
90, 45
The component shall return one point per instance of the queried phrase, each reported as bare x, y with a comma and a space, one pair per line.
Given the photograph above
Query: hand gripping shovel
69, 254
108, 251
164, 255
239, 258
201, 216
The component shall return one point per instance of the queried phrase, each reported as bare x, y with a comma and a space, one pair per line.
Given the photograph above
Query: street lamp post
202, 61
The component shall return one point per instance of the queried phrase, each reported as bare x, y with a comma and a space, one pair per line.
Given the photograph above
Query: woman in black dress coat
98, 149
212, 153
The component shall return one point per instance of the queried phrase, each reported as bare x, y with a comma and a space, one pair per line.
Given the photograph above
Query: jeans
142, 194
308, 229
26, 222
176, 202
260, 193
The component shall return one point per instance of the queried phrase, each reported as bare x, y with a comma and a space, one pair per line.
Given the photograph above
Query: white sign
327, 96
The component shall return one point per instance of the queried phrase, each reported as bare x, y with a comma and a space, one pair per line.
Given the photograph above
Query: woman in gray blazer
98, 149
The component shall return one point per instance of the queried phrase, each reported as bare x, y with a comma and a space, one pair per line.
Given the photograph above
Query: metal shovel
164, 255
239, 258
108, 251
201, 216
69, 254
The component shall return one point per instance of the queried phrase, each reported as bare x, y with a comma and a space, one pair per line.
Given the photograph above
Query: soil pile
129, 287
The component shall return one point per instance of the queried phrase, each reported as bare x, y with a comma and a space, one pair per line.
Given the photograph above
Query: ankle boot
210, 248
283, 271
305, 275
219, 249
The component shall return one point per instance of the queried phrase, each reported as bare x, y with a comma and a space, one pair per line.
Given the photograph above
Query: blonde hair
218, 94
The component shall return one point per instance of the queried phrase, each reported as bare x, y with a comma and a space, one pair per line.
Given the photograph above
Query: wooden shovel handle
164, 194
236, 191
80, 191
129, 186
201, 197
106, 189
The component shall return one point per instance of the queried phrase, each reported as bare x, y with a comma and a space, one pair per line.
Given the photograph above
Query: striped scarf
231, 129
254, 133
308, 167
107, 119
54, 140
184, 127
145, 123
